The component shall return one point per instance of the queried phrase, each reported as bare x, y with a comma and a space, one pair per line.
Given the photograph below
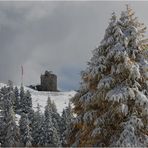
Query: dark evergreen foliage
25, 130
34, 128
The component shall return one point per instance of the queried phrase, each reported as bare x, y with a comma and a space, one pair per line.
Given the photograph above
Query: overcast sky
55, 36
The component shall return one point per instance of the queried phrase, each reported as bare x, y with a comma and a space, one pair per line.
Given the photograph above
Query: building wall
48, 82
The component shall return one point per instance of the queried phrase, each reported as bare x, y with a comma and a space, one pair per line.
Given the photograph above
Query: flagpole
22, 72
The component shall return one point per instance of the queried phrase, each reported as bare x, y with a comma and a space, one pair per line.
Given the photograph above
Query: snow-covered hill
61, 99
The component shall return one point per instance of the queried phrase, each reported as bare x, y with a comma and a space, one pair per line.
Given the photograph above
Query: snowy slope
2, 85
61, 99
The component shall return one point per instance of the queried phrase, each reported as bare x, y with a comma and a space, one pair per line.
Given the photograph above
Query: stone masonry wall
48, 82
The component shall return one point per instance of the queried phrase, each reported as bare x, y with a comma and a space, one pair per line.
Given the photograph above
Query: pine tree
2, 124
9, 96
111, 105
56, 119
10, 85
67, 118
10, 129
17, 99
37, 124
9, 133
53, 106
1, 129
29, 99
26, 106
49, 135
25, 130
22, 95
26, 101
68, 114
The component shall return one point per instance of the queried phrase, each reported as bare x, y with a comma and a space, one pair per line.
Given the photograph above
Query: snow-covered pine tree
37, 126
25, 131
22, 94
8, 92
49, 135
17, 99
10, 85
1, 129
67, 114
10, 129
54, 108
56, 119
12, 137
3, 92
67, 118
26, 101
112, 102
29, 99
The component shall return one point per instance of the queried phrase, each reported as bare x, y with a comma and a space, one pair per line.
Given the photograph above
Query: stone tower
48, 81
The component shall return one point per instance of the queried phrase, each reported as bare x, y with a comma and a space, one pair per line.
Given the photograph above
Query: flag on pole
22, 70
22, 73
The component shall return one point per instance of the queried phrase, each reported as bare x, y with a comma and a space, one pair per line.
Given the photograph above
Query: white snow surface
61, 99
17, 119
2, 85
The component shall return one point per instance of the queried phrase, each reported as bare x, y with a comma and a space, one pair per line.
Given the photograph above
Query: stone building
48, 81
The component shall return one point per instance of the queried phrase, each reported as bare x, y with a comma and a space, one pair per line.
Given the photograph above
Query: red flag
22, 70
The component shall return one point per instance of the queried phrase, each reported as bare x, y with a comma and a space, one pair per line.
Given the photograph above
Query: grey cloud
58, 36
